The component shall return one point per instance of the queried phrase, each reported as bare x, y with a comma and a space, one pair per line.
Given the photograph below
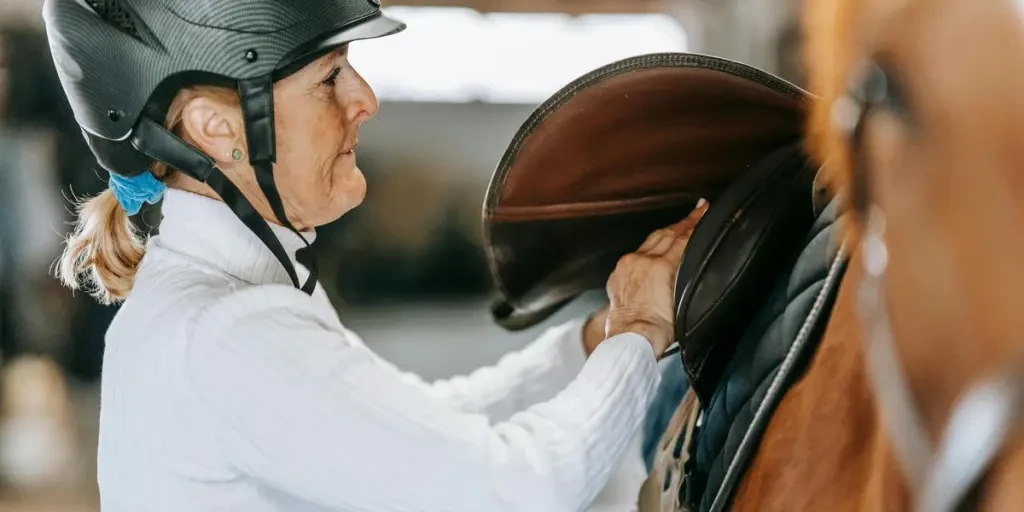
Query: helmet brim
378, 26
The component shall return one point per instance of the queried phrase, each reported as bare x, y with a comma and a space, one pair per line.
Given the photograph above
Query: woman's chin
349, 186
353, 184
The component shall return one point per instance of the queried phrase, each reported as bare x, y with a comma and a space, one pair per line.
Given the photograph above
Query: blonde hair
103, 252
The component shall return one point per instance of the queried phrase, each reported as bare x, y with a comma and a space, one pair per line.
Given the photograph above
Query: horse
888, 323
914, 400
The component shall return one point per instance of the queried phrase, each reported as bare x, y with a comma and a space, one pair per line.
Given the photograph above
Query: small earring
236, 154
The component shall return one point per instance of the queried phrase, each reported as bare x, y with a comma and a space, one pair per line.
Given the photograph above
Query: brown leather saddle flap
747, 241
626, 149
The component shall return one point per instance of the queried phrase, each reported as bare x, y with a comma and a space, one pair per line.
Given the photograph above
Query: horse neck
825, 447
840, 456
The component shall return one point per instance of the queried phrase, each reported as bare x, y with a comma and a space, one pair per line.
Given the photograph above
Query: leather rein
943, 474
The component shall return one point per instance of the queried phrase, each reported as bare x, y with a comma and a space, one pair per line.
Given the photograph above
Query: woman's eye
332, 78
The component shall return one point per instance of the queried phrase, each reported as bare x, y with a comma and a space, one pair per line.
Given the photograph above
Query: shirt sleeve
300, 408
519, 379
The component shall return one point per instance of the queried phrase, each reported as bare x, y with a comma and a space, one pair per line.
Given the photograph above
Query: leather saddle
631, 147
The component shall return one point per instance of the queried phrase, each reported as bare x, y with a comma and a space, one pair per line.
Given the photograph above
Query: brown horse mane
827, 32
829, 54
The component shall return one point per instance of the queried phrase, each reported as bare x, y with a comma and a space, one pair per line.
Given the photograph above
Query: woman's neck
251, 191
186, 183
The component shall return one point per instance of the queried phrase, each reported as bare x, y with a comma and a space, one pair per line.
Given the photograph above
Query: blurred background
405, 270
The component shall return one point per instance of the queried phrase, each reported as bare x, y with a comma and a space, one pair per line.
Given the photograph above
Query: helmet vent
113, 13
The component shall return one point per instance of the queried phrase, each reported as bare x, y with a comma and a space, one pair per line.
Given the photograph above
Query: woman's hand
640, 290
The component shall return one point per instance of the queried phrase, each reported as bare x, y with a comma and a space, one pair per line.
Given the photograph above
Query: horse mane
827, 54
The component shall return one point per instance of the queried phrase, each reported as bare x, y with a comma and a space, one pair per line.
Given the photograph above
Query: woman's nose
362, 102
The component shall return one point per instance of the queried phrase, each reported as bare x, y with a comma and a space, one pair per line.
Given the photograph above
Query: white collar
207, 230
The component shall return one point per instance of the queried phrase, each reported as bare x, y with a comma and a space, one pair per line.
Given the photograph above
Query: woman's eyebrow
326, 62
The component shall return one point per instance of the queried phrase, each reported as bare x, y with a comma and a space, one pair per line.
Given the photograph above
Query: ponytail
103, 252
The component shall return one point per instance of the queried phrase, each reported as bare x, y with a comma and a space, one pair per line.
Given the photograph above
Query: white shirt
226, 389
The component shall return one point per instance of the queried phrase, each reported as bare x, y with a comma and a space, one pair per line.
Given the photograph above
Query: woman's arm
521, 378
301, 408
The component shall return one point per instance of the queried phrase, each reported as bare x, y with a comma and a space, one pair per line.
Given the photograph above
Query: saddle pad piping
773, 394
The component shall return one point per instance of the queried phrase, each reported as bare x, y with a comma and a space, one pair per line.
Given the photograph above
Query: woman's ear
213, 127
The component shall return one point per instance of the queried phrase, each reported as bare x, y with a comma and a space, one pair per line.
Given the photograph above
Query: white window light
452, 54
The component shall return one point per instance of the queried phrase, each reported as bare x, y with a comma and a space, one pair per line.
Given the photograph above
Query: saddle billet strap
660, 492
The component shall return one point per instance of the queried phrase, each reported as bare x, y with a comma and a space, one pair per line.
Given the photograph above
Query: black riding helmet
121, 62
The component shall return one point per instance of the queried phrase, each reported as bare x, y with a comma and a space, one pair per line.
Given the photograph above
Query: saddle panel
757, 360
616, 154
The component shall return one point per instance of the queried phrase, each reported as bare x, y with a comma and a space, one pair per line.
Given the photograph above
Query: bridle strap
984, 420
910, 440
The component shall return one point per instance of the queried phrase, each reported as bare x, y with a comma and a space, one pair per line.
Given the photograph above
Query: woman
229, 382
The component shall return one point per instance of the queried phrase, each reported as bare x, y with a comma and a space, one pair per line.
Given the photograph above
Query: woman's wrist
599, 327
657, 335
594, 330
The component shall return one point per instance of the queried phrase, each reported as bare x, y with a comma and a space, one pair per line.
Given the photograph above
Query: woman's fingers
674, 253
664, 243
660, 240
686, 225
655, 238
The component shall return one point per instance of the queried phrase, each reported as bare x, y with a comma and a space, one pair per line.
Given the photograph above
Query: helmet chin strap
257, 96
244, 210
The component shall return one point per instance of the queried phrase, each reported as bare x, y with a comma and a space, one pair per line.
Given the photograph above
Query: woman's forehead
328, 59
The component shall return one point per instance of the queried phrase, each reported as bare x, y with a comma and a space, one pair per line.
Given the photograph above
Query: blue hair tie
132, 192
